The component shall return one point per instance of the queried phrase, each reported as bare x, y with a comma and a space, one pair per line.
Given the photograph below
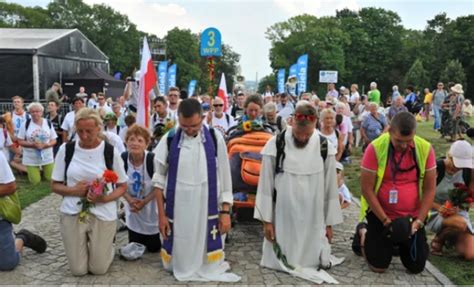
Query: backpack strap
440, 170
279, 126
118, 129
227, 118
323, 146
70, 147
27, 124
150, 165
109, 155
124, 156
280, 155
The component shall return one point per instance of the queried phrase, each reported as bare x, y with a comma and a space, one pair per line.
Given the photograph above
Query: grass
28, 193
456, 269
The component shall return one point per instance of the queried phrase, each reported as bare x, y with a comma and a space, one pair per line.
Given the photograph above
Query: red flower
110, 176
460, 186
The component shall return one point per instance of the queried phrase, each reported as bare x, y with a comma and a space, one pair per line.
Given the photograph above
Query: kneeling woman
88, 214
140, 210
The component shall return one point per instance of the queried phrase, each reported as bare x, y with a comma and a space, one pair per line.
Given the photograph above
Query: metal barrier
8, 107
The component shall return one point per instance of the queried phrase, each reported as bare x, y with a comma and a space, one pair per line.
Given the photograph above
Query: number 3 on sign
212, 39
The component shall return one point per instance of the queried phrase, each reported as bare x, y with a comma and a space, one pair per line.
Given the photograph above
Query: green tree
320, 38
454, 72
269, 80
111, 31
17, 16
417, 76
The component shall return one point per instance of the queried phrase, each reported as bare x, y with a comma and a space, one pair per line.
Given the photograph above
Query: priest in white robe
194, 196
297, 201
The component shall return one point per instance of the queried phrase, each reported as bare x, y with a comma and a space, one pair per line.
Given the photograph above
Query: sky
243, 23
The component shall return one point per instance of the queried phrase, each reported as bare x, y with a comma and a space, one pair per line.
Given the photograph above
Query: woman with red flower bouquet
450, 220
90, 176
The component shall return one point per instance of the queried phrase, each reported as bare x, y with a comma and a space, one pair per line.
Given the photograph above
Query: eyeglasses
218, 105
301, 117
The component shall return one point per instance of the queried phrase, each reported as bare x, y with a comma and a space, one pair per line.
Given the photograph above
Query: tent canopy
94, 80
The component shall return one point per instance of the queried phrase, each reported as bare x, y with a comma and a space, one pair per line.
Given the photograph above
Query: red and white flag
148, 80
222, 93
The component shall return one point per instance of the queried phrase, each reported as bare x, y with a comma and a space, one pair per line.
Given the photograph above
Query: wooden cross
214, 232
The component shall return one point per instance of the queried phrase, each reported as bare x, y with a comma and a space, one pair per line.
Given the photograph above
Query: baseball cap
461, 151
339, 166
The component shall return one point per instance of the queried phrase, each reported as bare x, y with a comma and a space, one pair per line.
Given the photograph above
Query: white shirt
92, 103
106, 108
5, 142
353, 97
173, 114
116, 141
36, 133
221, 124
17, 121
123, 133
6, 176
145, 221
344, 192
88, 165
68, 124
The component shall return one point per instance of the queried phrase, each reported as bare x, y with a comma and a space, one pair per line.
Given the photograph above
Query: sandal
436, 247
356, 244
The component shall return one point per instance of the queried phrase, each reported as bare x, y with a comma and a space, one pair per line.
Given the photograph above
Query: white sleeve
161, 164
59, 164
65, 126
332, 207
223, 171
6, 176
52, 133
119, 169
266, 186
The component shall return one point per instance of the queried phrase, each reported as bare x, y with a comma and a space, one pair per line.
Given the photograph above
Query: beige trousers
88, 245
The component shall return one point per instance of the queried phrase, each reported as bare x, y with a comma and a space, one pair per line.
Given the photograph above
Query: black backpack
108, 156
441, 169
150, 168
280, 145
28, 122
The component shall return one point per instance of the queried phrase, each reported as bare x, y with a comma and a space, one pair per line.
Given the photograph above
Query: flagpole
210, 66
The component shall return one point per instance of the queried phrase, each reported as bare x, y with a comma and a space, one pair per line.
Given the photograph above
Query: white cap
342, 88
339, 166
373, 84
461, 151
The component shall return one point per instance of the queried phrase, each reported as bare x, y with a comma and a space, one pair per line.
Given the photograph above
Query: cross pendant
214, 232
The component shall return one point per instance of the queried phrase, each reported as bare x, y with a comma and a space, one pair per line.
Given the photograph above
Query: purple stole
214, 241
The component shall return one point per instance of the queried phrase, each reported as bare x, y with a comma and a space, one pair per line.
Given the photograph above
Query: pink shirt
405, 184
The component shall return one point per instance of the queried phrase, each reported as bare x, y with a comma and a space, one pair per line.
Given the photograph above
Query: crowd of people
174, 178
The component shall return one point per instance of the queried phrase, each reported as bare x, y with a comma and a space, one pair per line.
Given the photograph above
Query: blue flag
281, 80
192, 87
172, 76
162, 73
302, 73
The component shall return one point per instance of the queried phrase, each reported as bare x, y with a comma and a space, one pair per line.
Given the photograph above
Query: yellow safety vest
381, 146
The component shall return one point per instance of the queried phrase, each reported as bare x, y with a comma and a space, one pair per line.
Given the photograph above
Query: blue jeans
437, 117
10, 258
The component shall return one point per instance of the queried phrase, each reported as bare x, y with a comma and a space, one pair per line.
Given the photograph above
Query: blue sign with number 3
211, 43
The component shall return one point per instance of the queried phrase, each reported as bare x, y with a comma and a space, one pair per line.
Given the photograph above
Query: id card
393, 196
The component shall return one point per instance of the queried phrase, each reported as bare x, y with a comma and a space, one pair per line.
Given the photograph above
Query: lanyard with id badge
395, 168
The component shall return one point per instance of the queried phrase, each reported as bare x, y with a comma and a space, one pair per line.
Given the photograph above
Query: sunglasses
218, 105
301, 117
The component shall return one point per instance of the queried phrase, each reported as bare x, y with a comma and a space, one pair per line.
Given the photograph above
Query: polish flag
222, 93
148, 80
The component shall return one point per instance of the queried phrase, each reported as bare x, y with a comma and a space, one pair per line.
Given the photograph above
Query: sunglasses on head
218, 105
301, 117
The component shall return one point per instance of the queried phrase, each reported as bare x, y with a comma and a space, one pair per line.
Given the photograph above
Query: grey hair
395, 88
35, 105
371, 104
373, 84
340, 105
269, 108
327, 112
